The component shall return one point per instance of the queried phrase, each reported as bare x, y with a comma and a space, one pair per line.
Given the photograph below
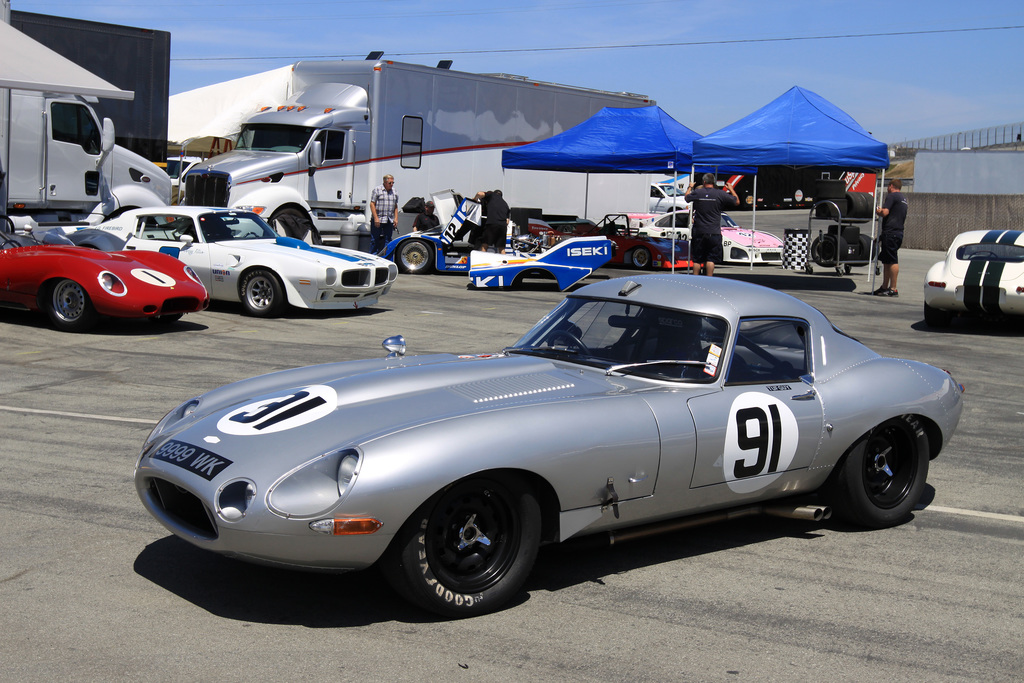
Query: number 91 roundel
760, 441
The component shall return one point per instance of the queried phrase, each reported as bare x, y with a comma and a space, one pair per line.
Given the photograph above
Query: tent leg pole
873, 260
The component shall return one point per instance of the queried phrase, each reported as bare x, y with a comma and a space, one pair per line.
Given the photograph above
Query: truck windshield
268, 137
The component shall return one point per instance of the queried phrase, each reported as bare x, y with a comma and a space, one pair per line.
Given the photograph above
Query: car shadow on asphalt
293, 313
241, 591
106, 327
970, 326
795, 282
233, 589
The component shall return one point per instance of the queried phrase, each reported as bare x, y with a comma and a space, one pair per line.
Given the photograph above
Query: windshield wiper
629, 366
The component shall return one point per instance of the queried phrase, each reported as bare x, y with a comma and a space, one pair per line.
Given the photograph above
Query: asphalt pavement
94, 589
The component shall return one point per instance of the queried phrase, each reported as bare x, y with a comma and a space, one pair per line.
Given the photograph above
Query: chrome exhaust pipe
812, 513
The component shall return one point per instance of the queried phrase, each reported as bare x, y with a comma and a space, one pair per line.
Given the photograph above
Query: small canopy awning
26, 64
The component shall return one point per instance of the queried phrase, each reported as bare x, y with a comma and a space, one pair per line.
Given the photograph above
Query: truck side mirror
107, 138
316, 156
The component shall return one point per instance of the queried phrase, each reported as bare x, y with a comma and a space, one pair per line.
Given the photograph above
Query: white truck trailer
64, 168
348, 123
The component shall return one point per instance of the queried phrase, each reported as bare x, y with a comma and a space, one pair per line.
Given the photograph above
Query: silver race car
634, 403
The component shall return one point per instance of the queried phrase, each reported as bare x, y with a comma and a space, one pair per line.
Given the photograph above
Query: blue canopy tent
799, 128
614, 140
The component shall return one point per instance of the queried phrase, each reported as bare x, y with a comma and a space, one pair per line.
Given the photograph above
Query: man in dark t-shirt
706, 204
894, 213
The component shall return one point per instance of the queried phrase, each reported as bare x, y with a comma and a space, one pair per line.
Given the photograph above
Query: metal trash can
794, 249
349, 235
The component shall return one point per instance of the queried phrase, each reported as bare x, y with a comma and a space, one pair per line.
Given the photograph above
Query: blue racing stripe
303, 246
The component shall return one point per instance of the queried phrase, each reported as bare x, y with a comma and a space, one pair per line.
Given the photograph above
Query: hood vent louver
505, 388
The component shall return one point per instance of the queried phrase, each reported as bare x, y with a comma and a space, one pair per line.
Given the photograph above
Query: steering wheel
575, 341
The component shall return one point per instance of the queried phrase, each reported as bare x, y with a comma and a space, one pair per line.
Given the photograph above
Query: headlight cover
183, 411
112, 284
316, 486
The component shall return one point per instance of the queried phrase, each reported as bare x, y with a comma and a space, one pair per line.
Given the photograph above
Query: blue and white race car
983, 274
443, 251
240, 258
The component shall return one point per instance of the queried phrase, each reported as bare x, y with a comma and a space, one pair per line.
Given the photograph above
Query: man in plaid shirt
384, 207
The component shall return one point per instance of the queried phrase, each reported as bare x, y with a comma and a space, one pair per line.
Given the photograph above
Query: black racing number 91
767, 441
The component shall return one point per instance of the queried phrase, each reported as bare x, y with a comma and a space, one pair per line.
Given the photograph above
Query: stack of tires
850, 205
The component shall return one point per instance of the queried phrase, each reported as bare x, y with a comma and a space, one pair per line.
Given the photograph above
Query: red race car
630, 247
75, 285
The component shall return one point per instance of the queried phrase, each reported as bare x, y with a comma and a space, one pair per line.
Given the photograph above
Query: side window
335, 147
412, 141
168, 228
770, 350
74, 123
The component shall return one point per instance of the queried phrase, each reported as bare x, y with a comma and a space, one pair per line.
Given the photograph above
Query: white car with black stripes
983, 274
239, 257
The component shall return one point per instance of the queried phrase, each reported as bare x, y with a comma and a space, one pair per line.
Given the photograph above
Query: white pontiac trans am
240, 258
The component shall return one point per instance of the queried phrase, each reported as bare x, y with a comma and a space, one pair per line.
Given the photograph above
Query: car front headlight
112, 284
192, 275
183, 411
315, 486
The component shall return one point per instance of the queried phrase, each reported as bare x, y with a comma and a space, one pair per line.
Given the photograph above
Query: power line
628, 46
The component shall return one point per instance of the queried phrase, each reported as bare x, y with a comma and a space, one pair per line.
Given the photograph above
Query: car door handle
809, 396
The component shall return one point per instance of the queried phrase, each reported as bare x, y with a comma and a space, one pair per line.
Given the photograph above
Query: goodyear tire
882, 477
262, 294
640, 258
936, 317
467, 550
415, 257
68, 305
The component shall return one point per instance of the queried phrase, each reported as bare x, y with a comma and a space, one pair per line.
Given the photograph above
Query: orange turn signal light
357, 526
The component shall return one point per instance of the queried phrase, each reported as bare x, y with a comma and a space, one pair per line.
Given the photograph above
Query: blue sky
903, 70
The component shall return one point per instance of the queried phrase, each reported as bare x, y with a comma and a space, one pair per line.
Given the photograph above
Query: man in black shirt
427, 220
893, 212
706, 204
496, 223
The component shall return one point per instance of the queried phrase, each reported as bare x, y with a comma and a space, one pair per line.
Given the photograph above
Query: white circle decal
280, 412
760, 441
153, 277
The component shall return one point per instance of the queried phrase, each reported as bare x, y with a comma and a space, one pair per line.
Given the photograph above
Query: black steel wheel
468, 549
68, 306
262, 294
415, 257
883, 476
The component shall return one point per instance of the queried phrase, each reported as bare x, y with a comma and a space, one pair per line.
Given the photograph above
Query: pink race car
740, 245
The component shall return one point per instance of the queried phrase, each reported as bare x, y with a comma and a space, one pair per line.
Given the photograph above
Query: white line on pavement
63, 413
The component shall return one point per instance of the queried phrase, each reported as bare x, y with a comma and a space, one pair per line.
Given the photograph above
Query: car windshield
226, 227
728, 222
272, 137
991, 251
629, 338
671, 191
